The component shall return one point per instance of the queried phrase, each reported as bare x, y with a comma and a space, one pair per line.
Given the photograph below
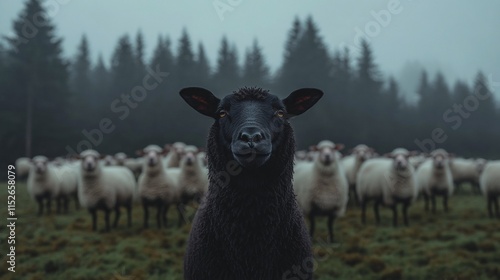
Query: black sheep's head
251, 120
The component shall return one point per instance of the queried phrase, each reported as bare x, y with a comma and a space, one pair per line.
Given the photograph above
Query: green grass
461, 244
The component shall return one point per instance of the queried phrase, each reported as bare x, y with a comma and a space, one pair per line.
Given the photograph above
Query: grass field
461, 244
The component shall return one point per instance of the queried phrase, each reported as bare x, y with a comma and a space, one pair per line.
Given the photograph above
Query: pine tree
313, 66
482, 107
367, 96
202, 68
292, 41
341, 74
391, 97
255, 70
440, 99
139, 54
290, 59
227, 78
487, 104
460, 92
424, 93
101, 82
185, 62
39, 75
123, 68
81, 83
3, 78
368, 82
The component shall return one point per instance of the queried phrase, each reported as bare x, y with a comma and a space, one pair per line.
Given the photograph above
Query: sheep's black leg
58, 204
66, 203
117, 216
426, 200
106, 218
39, 200
363, 211
165, 213
181, 210
354, 195
395, 215
490, 206
77, 203
331, 221
356, 199
146, 212
445, 202
312, 224
406, 204
129, 214
377, 214
93, 213
158, 213
49, 205
495, 201
433, 201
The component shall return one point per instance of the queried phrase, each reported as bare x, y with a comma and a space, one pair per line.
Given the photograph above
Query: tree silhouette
255, 70
202, 68
227, 75
38, 81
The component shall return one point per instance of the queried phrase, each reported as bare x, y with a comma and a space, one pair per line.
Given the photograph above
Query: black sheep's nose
251, 135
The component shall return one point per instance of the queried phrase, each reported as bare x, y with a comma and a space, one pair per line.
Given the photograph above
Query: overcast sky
457, 37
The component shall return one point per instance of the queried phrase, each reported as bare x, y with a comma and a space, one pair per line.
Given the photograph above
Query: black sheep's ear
301, 100
202, 100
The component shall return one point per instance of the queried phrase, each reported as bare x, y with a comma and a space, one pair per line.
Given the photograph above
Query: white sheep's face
190, 158
362, 155
153, 158
401, 161
89, 163
326, 155
108, 160
40, 165
439, 161
178, 149
480, 164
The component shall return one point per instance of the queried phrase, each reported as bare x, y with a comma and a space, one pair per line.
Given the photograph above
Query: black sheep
249, 225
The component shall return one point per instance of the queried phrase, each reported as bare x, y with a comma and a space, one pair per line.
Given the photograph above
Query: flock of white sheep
324, 179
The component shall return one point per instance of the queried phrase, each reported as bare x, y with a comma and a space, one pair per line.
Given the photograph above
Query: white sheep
352, 163
490, 186
466, 171
417, 160
193, 176
157, 186
175, 151
67, 176
23, 165
300, 155
321, 185
105, 188
108, 160
388, 181
43, 184
434, 178
135, 165
120, 159
202, 156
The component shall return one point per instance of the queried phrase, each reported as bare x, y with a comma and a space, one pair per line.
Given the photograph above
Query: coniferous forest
55, 105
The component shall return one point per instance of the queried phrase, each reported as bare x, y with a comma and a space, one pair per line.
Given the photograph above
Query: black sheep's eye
280, 113
222, 113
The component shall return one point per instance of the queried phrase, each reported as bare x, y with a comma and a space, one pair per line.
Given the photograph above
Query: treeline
54, 105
